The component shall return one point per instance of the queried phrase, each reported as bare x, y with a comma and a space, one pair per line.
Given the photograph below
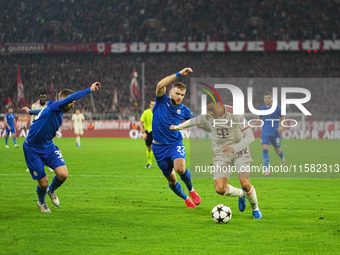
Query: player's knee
43, 184
246, 186
172, 183
220, 189
63, 176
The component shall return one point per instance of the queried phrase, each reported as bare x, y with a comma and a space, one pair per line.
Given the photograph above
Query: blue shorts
37, 158
166, 154
273, 140
8, 131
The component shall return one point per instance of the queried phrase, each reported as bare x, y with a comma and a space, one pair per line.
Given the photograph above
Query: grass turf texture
111, 204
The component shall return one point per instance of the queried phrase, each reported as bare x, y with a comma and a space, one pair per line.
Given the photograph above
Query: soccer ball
221, 214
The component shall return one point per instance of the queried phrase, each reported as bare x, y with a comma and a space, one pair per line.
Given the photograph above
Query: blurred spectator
78, 71
167, 20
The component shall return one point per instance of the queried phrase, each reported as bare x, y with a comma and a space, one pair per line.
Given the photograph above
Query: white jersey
226, 130
37, 106
78, 120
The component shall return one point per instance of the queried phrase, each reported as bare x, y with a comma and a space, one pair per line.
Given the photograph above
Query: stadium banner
123, 128
173, 47
225, 46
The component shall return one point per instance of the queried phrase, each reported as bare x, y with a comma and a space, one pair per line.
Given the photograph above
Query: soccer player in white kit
77, 125
231, 137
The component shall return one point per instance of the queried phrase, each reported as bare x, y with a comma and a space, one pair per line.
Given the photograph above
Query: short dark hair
267, 94
179, 85
42, 93
65, 93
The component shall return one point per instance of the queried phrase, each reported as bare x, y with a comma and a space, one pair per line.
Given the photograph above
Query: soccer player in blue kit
10, 127
271, 131
167, 145
39, 148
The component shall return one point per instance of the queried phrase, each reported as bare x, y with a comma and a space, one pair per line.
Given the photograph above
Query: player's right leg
176, 187
265, 141
148, 143
54, 160
249, 190
36, 168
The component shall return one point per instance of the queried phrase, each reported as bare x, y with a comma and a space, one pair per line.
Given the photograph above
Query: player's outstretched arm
31, 112
161, 86
189, 123
75, 96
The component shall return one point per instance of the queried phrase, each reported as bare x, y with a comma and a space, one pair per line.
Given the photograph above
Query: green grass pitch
111, 204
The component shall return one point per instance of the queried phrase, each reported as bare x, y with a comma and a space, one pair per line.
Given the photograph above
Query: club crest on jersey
179, 111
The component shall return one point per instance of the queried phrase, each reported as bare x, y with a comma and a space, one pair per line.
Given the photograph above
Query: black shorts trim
148, 140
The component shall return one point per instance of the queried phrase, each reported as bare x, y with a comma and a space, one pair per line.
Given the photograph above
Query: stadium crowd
168, 20
78, 71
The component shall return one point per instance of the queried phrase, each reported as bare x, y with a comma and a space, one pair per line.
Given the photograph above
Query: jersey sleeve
82, 117
161, 99
73, 116
142, 119
59, 105
34, 112
241, 122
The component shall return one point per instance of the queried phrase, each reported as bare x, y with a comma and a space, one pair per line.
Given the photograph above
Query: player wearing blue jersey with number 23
39, 148
167, 145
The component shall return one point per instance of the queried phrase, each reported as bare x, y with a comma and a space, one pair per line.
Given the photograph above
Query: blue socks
281, 154
6, 140
265, 158
41, 194
177, 189
186, 178
55, 184
15, 141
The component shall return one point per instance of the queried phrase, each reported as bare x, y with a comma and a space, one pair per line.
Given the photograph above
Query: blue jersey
165, 115
48, 121
270, 127
10, 119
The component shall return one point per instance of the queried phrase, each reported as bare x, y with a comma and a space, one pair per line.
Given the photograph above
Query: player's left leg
14, 138
276, 142
222, 173
249, 190
184, 173
6, 137
77, 137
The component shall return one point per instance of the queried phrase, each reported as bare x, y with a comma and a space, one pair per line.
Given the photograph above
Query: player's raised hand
95, 86
26, 109
186, 71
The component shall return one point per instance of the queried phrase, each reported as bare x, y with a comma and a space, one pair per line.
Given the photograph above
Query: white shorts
226, 164
78, 130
